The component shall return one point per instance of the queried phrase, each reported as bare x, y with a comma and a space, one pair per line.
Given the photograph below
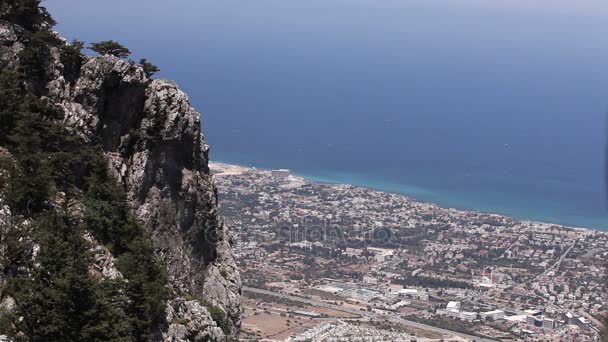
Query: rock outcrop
152, 139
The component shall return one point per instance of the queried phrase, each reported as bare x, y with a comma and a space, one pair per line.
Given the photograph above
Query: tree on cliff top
110, 47
149, 68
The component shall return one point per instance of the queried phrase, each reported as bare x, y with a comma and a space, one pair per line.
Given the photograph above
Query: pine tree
149, 68
26, 13
110, 47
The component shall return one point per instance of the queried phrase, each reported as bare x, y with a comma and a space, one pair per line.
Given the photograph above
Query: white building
468, 316
583, 323
414, 293
302, 244
493, 315
370, 280
353, 252
453, 306
381, 254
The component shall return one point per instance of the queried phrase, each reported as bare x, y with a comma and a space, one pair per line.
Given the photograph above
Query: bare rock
11, 46
153, 142
190, 321
151, 136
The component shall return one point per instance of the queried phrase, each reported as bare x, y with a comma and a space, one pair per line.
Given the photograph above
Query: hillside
108, 223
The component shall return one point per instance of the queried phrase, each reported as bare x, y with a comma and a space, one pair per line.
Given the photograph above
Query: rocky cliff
151, 138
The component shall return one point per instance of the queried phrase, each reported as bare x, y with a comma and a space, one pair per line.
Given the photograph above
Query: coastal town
334, 262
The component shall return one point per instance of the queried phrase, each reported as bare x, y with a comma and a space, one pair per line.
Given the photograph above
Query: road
511, 245
367, 314
598, 323
555, 265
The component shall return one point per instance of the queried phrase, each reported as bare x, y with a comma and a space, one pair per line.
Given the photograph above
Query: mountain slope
132, 144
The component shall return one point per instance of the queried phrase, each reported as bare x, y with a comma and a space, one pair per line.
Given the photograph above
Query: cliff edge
151, 138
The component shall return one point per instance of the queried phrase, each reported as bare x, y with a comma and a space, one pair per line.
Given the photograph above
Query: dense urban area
328, 262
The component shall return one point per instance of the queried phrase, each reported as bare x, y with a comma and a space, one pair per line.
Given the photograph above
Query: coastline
230, 168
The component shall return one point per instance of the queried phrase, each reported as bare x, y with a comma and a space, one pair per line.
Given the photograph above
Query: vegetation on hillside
61, 194
26, 13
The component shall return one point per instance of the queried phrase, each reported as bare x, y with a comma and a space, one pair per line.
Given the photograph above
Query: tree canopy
72, 59
110, 47
26, 13
149, 68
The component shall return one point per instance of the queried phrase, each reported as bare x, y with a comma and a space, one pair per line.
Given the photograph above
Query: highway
367, 314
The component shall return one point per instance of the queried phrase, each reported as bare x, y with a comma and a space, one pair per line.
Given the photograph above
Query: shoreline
231, 169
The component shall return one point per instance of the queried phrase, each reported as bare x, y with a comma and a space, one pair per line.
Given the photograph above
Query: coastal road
371, 315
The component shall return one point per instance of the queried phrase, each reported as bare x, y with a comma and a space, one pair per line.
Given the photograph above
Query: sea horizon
497, 107
413, 192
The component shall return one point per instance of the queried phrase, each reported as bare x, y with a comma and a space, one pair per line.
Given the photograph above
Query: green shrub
26, 13
219, 316
36, 55
72, 59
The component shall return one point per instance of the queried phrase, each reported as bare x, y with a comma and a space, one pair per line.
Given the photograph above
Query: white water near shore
232, 169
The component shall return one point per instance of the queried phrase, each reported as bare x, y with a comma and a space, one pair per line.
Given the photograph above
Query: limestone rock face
9, 36
152, 139
189, 321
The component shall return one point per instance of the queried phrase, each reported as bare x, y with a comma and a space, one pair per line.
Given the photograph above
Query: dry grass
271, 325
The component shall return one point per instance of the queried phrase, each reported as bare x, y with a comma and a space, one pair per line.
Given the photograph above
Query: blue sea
498, 106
